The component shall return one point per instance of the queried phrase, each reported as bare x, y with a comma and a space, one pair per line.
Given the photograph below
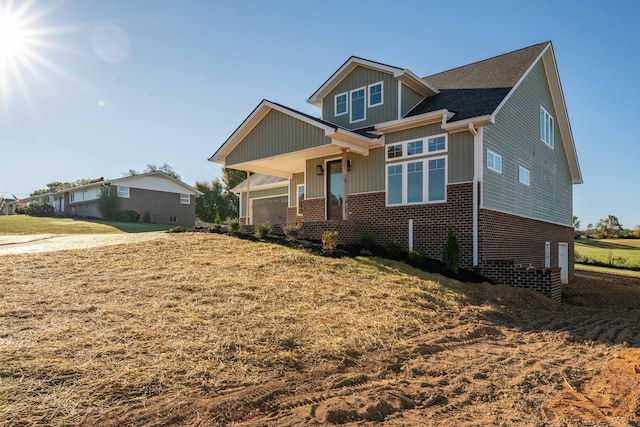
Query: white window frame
493, 167
425, 147
524, 176
369, 104
299, 211
335, 104
122, 193
547, 254
546, 121
185, 199
364, 104
425, 181
72, 197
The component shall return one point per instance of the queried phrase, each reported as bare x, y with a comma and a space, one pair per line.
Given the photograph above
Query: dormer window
340, 104
358, 113
375, 94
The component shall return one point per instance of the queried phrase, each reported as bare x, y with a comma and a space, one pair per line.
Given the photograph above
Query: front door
334, 190
563, 262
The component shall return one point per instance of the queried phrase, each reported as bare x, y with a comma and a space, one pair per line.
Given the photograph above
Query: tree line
606, 228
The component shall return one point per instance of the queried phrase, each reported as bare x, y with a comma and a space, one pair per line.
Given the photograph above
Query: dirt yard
205, 330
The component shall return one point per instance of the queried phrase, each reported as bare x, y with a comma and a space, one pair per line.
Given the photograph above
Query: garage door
273, 209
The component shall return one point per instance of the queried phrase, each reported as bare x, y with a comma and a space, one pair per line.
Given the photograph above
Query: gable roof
405, 76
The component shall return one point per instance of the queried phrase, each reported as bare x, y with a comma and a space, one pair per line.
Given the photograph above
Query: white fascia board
416, 83
250, 122
158, 174
356, 148
413, 121
463, 125
254, 187
252, 167
352, 136
341, 73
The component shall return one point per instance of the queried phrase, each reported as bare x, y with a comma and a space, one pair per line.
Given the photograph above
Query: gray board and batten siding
409, 98
366, 174
459, 149
276, 134
358, 78
296, 179
516, 137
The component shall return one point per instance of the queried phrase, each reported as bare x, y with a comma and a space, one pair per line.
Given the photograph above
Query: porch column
345, 208
248, 201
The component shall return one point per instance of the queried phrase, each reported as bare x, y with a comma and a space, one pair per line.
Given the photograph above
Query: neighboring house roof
99, 183
261, 181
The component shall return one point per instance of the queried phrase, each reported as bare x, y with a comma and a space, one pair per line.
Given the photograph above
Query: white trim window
72, 197
524, 175
300, 198
358, 111
417, 181
547, 254
546, 127
123, 192
340, 104
434, 144
185, 199
494, 161
376, 96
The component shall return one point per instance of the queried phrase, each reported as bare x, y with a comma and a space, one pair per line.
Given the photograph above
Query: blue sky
115, 85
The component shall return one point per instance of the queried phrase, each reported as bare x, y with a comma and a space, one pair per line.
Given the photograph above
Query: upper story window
340, 104
494, 161
523, 175
546, 127
185, 199
438, 143
375, 94
123, 192
394, 151
414, 147
358, 111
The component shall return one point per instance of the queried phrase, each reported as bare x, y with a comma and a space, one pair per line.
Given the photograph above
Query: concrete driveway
37, 243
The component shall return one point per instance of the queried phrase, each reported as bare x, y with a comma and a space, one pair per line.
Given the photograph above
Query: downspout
345, 171
476, 173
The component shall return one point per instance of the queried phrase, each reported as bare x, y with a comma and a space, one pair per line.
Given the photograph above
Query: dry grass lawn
204, 329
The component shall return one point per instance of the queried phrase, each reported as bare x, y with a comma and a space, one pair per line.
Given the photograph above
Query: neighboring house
156, 196
485, 148
7, 206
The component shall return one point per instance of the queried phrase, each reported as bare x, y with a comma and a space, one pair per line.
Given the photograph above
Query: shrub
393, 249
368, 241
417, 257
40, 209
217, 220
128, 216
329, 241
234, 225
451, 252
292, 231
263, 230
109, 203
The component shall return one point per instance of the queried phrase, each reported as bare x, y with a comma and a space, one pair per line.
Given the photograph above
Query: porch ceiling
286, 165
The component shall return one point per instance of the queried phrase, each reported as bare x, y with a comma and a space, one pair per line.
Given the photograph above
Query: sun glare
13, 37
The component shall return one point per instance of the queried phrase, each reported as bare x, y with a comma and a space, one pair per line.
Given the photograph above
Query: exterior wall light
319, 170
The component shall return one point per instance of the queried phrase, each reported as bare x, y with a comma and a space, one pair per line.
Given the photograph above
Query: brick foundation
511, 272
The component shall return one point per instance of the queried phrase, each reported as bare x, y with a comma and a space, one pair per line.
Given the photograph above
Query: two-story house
485, 148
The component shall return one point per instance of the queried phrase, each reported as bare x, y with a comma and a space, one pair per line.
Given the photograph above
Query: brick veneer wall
511, 272
431, 222
503, 236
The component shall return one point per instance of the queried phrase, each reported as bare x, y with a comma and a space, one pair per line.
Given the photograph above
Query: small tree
636, 232
451, 252
609, 228
109, 203
576, 222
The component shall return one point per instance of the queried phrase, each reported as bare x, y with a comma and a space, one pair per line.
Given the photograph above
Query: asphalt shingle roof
477, 89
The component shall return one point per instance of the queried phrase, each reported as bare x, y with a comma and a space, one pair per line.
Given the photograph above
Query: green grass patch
606, 270
623, 253
24, 224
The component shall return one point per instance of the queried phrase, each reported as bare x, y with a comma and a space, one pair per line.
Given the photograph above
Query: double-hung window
494, 161
394, 184
340, 104
358, 110
437, 179
185, 199
523, 175
375, 94
546, 127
